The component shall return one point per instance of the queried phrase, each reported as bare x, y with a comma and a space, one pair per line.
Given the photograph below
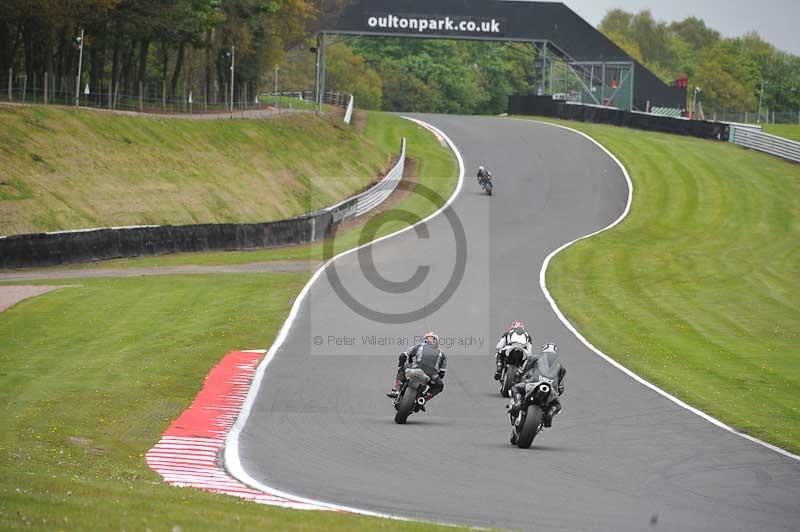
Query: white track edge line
573, 330
232, 462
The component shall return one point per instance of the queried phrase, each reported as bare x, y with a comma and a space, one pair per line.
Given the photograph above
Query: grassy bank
697, 289
437, 170
90, 378
787, 131
69, 169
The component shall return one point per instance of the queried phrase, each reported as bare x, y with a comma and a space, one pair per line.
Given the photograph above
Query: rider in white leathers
515, 335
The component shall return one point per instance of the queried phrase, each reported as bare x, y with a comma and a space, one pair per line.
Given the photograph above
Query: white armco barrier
366, 201
378, 194
757, 140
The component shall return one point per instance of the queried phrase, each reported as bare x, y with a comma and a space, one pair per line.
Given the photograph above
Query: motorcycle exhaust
421, 401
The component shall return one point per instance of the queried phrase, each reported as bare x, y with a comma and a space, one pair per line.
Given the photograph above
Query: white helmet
550, 348
481, 168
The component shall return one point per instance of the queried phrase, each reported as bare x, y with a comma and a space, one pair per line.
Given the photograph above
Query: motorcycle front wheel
530, 427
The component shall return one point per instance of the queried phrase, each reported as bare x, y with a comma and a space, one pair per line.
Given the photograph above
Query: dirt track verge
11, 295
256, 267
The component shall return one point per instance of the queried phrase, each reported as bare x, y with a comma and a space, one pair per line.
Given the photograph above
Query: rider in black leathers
428, 357
483, 175
545, 364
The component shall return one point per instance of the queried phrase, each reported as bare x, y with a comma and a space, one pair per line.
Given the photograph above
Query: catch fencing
758, 140
51, 249
753, 117
194, 97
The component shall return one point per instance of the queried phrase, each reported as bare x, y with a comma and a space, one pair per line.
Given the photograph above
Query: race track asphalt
620, 457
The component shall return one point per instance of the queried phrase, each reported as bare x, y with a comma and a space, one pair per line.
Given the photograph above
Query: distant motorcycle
412, 395
487, 183
512, 357
528, 421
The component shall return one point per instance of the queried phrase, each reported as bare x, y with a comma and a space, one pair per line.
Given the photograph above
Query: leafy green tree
695, 32
404, 92
653, 39
125, 37
348, 72
617, 22
627, 43
730, 71
725, 78
649, 42
448, 76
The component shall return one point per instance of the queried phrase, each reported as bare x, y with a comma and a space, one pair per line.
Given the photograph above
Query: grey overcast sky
778, 21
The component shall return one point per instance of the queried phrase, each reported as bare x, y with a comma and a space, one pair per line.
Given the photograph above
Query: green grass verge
438, 171
91, 376
70, 169
787, 131
697, 290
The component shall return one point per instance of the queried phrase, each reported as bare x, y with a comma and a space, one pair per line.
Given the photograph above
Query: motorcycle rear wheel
509, 374
530, 427
406, 406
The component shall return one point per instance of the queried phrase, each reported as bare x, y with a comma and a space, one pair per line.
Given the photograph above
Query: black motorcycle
487, 183
412, 395
528, 422
512, 358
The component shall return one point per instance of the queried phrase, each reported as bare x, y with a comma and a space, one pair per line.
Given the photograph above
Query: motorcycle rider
547, 365
483, 175
428, 357
516, 334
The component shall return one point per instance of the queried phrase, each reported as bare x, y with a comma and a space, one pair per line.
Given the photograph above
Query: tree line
128, 42
730, 71
478, 77
423, 75
176, 42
